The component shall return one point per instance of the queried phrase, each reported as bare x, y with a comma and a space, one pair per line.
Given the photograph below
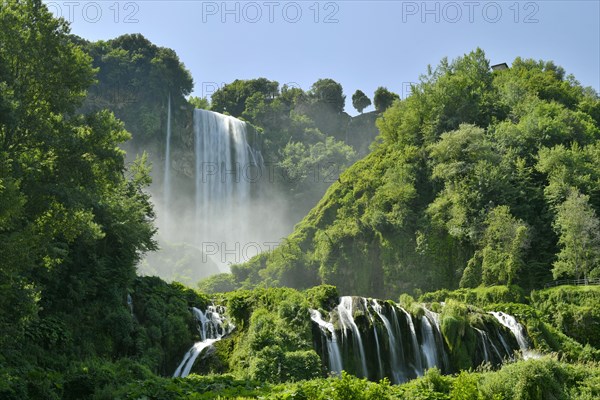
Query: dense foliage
73, 221
480, 177
360, 101
135, 79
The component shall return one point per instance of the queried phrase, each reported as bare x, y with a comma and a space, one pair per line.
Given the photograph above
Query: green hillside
478, 177
487, 181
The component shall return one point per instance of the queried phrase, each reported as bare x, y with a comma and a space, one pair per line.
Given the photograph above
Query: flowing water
167, 190
226, 173
384, 340
212, 326
515, 327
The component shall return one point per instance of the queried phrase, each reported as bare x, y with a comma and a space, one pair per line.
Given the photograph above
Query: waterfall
484, 343
190, 357
226, 167
429, 346
395, 361
345, 311
167, 178
384, 340
418, 366
434, 320
212, 326
333, 349
515, 327
397, 337
377, 345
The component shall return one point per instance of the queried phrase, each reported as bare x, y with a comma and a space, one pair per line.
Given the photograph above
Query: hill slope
469, 183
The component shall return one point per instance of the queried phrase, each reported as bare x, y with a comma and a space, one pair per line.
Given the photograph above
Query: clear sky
361, 44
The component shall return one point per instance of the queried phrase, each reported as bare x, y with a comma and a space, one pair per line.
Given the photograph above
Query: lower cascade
375, 339
212, 326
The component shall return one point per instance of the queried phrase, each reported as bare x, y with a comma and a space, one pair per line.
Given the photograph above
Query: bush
480, 296
573, 310
322, 297
530, 380
220, 283
432, 386
458, 334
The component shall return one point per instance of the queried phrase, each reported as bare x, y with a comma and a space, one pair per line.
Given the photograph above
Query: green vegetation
383, 99
73, 221
303, 136
562, 320
579, 237
134, 80
471, 174
573, 310
360, 101
479, 179
481, 296
541, 379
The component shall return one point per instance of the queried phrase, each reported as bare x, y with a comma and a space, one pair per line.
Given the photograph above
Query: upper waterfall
219, 204
226, 165
167, 178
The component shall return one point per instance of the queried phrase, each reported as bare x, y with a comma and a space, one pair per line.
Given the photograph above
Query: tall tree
76, 225
383, 99
579, 237
328, 92
360, 101
504, 244
231, 98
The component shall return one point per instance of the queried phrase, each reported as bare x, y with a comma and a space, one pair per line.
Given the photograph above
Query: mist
231, 208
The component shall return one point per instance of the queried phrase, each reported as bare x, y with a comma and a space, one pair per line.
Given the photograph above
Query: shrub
323, 296
480, 296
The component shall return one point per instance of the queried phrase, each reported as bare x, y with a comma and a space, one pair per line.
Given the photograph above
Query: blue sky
361, 44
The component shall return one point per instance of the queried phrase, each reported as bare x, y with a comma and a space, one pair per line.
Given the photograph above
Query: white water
184, 368
504, 344
399, 334
424, 345
394, 361
515, 327
484, 342
376, 335
345, 311
333, 349
227, 170
415, 344
428, 347
212, 326
434, 318
167, 179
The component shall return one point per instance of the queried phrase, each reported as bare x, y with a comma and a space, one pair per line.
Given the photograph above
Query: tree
328, 91
360, 101
135, 78
505, 241
199, 102
76, 225
231, 98
383, 99
578, 228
